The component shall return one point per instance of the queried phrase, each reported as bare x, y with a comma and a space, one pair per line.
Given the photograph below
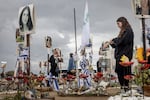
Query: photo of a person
145, 7
25, 20
48, 41
141, 8
19, 37
138, 7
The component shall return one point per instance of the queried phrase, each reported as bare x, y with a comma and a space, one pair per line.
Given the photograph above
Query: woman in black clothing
123, 45
54, 64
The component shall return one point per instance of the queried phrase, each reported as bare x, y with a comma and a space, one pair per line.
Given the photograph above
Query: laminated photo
48, 41
19, 38
24, 52
27, 19
141, 8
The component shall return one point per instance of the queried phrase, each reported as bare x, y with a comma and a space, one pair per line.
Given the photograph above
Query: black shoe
126, 89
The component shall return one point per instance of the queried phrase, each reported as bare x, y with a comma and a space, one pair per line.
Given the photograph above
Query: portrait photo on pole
27, 19
48, 41
141, 8
19, 37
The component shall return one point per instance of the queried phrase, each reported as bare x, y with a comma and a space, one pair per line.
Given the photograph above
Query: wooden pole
144, 49
144, 39
28, 45
48, 64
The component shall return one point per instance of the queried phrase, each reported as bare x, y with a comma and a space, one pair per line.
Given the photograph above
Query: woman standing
123, 45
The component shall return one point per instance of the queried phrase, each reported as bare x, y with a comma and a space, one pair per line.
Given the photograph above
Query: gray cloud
54, 17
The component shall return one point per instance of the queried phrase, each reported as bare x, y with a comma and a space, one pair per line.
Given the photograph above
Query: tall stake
76, 54
48, 64
28, 45
144, 49
143, 36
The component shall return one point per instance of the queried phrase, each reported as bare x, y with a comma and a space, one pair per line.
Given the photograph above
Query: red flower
25, 80
71, 76
113, 78
142, 61
126, 64
145, 67
99, 75
128, 77
20, 76
8, 78
40, 78
83, 76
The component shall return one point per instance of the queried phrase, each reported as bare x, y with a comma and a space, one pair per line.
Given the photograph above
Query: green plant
142, 75
17, 96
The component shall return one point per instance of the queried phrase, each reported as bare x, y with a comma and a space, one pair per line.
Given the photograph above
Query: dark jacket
54, 66
98, 64
123, 46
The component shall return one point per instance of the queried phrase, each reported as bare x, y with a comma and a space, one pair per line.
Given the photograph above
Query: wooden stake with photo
48, 44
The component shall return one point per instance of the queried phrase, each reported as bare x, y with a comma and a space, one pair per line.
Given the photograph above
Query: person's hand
106, 45
111, 41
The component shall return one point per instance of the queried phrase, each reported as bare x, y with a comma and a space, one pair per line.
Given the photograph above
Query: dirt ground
53, 94
81, 98
78, 98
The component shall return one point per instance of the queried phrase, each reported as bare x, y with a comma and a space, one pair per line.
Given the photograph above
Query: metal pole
75, 30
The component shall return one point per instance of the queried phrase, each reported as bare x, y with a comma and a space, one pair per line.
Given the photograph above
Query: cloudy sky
55, 18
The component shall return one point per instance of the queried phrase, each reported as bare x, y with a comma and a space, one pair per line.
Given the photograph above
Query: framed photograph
141, 8
27, 19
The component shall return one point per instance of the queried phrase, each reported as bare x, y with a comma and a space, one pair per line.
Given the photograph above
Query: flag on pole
86, 40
